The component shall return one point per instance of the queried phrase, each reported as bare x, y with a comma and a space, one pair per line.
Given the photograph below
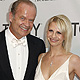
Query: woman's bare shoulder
75, 61
75, 58
40, 56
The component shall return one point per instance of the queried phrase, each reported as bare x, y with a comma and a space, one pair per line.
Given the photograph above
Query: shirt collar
11, 36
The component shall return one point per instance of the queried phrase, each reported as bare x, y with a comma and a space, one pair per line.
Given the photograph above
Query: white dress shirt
18, 56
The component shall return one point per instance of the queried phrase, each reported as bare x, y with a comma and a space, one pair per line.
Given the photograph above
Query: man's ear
10, 16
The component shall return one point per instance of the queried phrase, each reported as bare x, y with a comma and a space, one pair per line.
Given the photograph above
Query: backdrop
45, 10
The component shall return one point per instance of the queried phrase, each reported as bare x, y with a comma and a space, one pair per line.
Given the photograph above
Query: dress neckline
55, 70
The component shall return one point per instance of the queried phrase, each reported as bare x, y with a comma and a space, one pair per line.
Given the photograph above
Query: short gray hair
16, 3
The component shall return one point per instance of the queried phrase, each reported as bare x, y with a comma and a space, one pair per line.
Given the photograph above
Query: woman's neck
56, 51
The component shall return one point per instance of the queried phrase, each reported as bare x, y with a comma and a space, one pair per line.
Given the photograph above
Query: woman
58, 63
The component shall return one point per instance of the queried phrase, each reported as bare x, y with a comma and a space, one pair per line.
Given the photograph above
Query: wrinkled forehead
24, 9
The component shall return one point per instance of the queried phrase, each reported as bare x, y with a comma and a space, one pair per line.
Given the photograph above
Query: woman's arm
76, 65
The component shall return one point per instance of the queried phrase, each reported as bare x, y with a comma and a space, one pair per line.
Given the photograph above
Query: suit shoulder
2, 33
36, 42
34, 38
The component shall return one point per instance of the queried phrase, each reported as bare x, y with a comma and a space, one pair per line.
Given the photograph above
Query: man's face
22, 21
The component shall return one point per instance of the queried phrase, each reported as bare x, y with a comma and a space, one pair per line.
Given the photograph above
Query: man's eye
22, 18
59, 32
31, 20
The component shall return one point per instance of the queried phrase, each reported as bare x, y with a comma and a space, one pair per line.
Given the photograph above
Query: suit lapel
31, 58
4, 60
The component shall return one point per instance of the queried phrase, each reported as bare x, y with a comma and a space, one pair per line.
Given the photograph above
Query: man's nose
27, 22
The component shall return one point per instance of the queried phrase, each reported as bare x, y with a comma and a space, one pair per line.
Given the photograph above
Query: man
19, 50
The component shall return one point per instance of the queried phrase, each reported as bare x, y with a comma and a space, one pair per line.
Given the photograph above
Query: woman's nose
53, 34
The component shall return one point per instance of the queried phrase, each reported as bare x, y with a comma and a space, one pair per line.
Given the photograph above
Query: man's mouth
23, 27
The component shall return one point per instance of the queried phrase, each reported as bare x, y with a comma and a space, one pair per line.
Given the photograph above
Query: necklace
51, 60
51, 63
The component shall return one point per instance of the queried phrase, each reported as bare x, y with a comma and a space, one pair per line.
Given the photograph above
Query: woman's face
54, 35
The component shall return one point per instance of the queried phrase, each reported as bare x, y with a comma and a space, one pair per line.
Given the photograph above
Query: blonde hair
65, 27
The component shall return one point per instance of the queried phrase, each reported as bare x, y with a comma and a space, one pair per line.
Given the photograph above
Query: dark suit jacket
35, 45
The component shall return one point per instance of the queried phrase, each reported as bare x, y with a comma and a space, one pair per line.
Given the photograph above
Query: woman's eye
59, 32
50, 30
